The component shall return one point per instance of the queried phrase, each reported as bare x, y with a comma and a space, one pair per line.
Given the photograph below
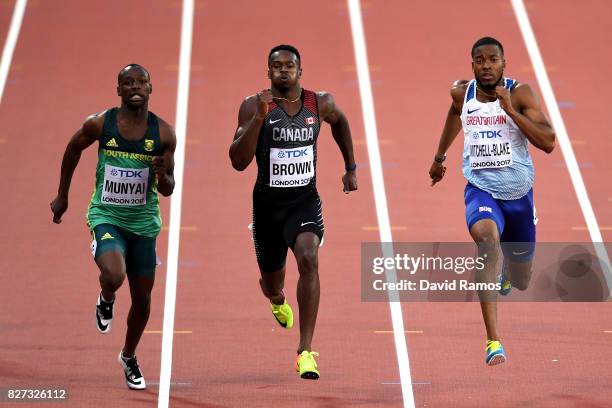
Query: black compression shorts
275, 228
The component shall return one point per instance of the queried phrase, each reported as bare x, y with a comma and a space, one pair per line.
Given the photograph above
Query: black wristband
439, 159
351, 167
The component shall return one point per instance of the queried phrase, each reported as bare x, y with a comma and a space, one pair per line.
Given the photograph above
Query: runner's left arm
163, 165
331, 113
523, 107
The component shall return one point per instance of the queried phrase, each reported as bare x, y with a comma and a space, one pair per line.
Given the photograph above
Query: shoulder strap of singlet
110, 117
470, 93
310, 102
153, 123
153, 133
271, 106
509, 83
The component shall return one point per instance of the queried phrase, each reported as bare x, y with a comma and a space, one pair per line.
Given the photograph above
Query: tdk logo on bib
291, 167
490, 134
294, 152
126, 173
487, 134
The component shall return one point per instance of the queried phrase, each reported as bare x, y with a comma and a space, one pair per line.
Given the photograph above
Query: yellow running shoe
306, 365
504, 283
495, 353
283, 314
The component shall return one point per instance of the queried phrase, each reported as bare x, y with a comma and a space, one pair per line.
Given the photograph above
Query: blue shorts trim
515, 220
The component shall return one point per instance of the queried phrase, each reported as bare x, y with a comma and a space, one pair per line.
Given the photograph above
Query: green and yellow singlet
125, 194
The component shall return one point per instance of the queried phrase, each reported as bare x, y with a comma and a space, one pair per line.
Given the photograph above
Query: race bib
490, 147
126, 187
291, 167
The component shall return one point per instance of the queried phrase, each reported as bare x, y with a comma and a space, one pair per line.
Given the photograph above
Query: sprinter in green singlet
135, 161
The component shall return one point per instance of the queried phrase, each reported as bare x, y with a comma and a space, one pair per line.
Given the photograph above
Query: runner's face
284, 69
134, 87
488, 65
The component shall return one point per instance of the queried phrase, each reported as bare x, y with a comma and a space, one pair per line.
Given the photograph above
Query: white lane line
563, 138
378, 184
11, 42
174, 236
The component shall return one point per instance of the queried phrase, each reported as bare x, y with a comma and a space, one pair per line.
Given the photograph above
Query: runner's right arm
82, 139
251, 117
452, 126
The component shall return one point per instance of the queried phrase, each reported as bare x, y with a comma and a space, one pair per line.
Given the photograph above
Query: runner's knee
112, 269
307, 260
270, 288
141, 304
111, 278
488, 246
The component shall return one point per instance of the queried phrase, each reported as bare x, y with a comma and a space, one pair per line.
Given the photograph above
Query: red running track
237, 356
413, 75
234, 354
69, 57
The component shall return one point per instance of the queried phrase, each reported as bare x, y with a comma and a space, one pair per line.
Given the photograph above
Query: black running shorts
276, 227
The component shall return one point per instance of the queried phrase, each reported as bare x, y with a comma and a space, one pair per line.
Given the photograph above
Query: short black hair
285, 47
130, 66
487, 41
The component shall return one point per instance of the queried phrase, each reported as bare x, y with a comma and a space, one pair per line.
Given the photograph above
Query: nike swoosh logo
472, 111
102, 326
279, 322
519, 253
273, 121
306, 223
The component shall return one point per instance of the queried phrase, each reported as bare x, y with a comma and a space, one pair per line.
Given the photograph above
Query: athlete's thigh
480, 205
270, 246
305, 216
519, 236
140, 257
109, 248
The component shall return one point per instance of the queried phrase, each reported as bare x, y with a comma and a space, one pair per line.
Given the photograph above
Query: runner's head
488, 62
134, 85
284, 66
